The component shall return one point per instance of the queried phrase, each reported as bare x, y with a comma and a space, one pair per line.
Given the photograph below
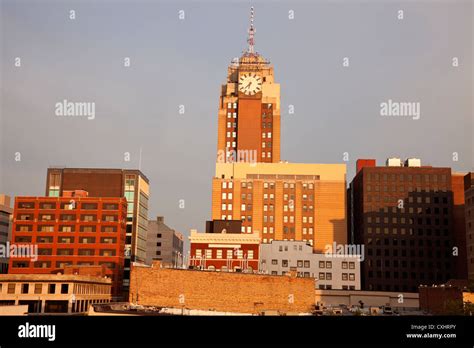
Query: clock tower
249, 110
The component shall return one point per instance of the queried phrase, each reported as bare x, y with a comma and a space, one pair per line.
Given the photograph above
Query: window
306, 264
274, 262
64, 288
88, 217
51, 288
344, 276
299, 263
321, 276
328, 264
344, 265
328, 276
110, 218
25, 288
321, 264
109, 206
107, 252
229, 254
38, 288
219, 254
65, 251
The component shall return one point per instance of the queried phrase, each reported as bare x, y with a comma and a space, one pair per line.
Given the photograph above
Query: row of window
265, 240
65, 240
403, 275
403, 231
405, 264
403, 242
395, 188
411, 253
69, 205
80, 252
69, 217
401, 219
230, 254
267, 185
407, 177
37, 289
64, 228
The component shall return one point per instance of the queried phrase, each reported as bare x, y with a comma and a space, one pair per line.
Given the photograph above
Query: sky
178, 61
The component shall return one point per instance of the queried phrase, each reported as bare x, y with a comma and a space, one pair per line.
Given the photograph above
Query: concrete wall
369, 298
220, 291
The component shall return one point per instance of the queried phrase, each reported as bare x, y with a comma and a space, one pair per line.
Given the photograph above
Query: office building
403, 214
284, 201
330, 271
164, 244
128, 183
77, 231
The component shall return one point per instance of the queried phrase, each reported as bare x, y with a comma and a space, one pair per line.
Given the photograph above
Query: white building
331, 271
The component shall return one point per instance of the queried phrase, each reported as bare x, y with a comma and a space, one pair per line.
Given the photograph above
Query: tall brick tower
249, 110
276, 199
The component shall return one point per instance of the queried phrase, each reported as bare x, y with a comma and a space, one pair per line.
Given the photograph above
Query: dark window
25, 288
64, 288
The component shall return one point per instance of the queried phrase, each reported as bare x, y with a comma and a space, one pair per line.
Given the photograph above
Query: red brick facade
79, 231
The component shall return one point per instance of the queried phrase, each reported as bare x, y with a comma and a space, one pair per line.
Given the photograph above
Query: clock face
250, 83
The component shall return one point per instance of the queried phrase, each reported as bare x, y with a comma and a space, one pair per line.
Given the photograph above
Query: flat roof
54, 278
103, 170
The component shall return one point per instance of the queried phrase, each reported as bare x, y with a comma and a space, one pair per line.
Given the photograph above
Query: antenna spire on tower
251, 39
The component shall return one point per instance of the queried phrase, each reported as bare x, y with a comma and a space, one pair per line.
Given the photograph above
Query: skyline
199, 65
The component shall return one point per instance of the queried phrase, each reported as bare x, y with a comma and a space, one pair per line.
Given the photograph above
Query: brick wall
231, 292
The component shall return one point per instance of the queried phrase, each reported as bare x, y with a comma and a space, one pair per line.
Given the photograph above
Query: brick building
284, 201
227, 252
404, 216
99, 182
70, 231
276, 199
249, 111
220, 291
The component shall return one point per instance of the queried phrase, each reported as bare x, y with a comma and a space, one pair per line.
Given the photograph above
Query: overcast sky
183, 62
